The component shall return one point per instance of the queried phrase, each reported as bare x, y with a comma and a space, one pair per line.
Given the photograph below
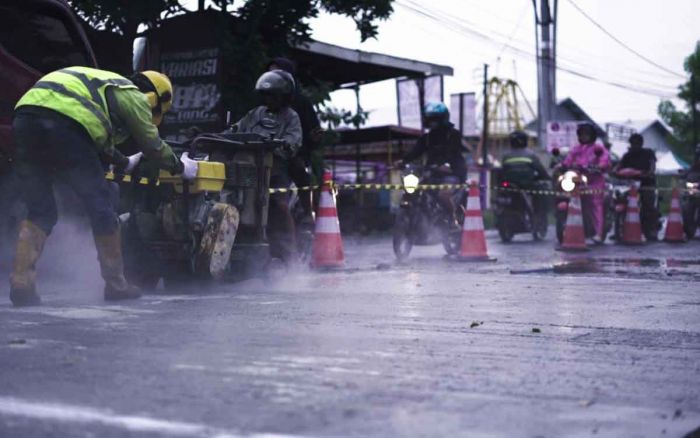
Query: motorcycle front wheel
690, 225
539, 231
402, 236
561, 224
452, 240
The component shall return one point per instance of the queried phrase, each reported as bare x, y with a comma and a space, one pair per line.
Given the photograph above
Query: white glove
133, 162
190, 166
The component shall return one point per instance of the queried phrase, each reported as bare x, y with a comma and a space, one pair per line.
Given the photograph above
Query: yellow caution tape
372, 186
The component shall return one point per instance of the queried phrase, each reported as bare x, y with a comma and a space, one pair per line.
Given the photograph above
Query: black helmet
636, 138
518, 140
276, 82
586, 126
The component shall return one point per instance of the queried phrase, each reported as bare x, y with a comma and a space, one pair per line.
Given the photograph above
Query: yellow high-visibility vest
79, 93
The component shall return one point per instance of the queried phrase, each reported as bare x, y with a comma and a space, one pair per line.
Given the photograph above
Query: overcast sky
465, 34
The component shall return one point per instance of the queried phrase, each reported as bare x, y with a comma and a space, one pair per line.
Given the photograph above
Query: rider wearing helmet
593, 158
640, 163
310, 153
522, 167
276, 120
63, 126
442, 146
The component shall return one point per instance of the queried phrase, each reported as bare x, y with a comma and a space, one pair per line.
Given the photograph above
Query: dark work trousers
649, 216
51, 146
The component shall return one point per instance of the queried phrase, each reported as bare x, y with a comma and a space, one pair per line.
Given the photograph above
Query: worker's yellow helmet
158, 90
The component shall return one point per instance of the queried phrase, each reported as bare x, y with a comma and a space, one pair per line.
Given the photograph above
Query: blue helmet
436, 112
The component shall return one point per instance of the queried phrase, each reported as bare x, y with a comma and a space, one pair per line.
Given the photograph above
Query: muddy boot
109, 254
30, 243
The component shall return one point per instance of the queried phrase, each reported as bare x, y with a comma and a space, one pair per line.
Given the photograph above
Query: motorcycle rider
640, 163
594, 161
63, 126
275, 119
522, 167
441, 144
309, 153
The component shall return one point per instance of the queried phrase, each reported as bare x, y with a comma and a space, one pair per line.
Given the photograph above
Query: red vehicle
36, 37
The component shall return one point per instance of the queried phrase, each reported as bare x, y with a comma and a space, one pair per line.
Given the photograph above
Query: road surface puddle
619, 266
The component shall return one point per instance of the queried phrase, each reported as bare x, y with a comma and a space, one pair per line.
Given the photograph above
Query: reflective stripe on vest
88, 94
517, 160
90, 105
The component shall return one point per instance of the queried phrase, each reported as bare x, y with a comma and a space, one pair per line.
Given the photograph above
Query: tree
281, 22
685, 127
263, 29
123, 18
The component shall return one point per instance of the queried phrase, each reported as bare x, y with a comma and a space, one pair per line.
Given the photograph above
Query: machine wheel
219, 234
402, 238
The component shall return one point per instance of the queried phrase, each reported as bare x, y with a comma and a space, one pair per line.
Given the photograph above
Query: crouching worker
64, 127
276, 120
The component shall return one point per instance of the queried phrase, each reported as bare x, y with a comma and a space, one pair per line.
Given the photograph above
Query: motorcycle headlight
410, 183
691, 185
567, 181
568, 184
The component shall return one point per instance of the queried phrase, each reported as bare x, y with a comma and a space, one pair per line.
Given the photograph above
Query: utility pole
694, 109
545, 36
483, 174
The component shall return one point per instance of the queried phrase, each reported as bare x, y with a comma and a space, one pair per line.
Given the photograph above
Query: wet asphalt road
536, 344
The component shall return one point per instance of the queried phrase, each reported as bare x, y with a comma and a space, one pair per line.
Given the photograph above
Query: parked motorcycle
421, 220
517, 212
690, 202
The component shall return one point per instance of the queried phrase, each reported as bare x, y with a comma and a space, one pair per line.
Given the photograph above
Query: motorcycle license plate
506, 200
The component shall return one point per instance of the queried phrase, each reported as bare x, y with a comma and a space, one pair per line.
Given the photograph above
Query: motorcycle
566, 182
212, 227
515, 212
621, 183
421, 220
690, 202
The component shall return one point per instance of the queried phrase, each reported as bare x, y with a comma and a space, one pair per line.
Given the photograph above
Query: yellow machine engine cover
210, 178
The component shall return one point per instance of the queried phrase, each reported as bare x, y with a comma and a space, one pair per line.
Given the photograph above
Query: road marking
86, 312
86, 415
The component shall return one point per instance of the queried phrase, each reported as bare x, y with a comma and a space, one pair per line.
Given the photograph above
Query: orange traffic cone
574, 237
473, 244
674, 224
632, 228
327, 250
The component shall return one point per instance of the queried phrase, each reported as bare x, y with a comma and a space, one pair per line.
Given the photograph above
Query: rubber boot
109, 254
30, 243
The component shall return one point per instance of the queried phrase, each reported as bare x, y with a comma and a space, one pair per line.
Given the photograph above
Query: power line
617, 40
460, 28
444, 18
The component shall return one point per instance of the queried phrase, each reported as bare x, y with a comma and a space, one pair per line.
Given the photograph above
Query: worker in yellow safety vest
66, 126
